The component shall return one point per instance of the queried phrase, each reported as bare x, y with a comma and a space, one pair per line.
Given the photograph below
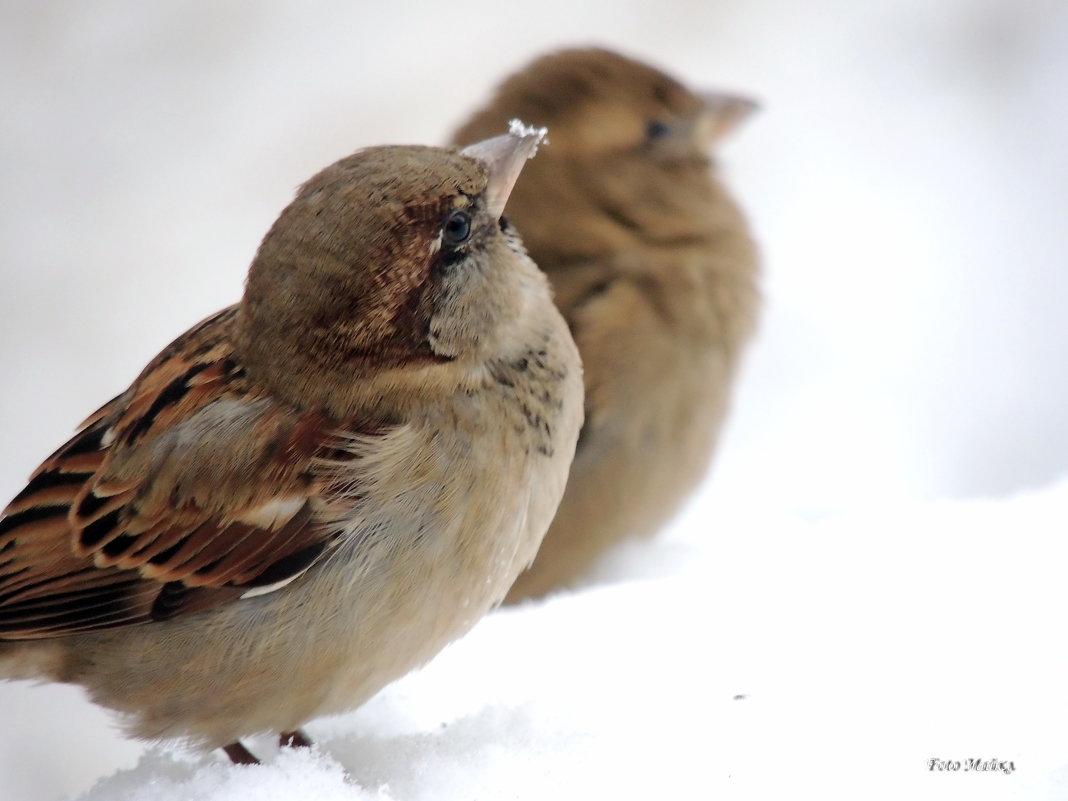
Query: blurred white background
907, 181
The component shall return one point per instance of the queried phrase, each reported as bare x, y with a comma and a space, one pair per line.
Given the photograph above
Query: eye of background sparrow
656, 129
457, 229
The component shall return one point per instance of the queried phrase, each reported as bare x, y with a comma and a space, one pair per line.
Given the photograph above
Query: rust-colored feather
135, 519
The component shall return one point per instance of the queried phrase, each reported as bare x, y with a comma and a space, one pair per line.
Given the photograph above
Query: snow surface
775, 659
906, 179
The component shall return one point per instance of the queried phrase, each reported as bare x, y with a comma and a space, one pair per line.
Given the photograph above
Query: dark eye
656, 129
457, 229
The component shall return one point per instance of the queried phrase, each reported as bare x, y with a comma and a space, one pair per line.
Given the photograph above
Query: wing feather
186, 492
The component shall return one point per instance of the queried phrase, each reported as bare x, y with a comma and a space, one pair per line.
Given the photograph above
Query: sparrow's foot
294, 739
240, 755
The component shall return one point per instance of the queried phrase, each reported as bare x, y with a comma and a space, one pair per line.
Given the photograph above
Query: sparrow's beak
722, 113
504, 157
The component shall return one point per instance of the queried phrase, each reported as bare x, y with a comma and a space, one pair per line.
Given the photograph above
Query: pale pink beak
722, 113
504, 157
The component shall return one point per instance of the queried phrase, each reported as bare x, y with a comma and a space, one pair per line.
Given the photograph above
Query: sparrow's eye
656, 129
457, 229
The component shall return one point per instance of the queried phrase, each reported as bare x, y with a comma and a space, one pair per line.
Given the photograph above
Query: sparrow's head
596, 103
627, 143
392, 259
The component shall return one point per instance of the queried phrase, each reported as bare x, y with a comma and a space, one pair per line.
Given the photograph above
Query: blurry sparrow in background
312, 492
652, 266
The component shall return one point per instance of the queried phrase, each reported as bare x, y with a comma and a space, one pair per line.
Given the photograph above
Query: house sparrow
652, 266
309, 493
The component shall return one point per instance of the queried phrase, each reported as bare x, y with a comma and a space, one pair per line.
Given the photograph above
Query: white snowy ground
908, 184
767, 659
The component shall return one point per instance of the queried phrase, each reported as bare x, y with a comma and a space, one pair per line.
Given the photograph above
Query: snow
521, 129
874, 565
838, 655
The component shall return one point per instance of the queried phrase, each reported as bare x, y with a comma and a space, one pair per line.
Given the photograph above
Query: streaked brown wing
182, 494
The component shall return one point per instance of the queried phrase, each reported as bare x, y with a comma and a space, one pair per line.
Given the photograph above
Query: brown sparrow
653, 268
309, 493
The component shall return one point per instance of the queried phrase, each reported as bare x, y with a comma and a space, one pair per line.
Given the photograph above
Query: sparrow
309, 493
653, 267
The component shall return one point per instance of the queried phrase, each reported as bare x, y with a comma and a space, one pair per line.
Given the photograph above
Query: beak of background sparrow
721, 115
505, 156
